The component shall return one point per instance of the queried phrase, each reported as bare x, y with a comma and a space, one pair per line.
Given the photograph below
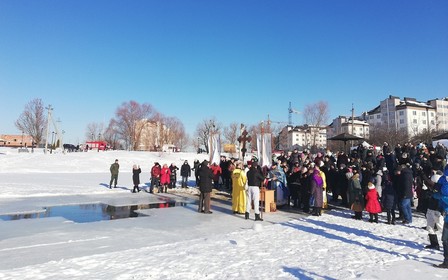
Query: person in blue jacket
442, 196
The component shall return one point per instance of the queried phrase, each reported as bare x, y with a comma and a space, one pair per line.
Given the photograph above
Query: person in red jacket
217, 171
372, 204
155, 176
165, 180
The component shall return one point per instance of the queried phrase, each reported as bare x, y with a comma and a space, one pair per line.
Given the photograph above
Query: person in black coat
254, 180
196, 167
205, 186
185, 172
136, 177
405, 194
388, 197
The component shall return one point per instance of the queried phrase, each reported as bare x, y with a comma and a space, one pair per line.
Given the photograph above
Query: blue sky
237, 61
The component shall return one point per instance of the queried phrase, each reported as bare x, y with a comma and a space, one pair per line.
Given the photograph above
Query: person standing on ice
254, 180
185, 172
136, 177
155, 176
205, 187
434, 216
165, 175
372, 203
114, 167
442, 196
239, 181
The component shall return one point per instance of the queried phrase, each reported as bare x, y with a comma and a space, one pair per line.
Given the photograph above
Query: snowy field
178, 242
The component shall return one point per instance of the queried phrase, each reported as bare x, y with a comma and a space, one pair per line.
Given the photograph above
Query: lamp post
99, 139
22, 139
52, 136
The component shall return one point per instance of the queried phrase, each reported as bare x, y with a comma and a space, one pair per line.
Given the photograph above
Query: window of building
414, 121
424, 121
401, 113
424, 114
414, 113
401, 121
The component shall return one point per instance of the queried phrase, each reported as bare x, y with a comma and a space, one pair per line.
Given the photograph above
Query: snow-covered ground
178, 242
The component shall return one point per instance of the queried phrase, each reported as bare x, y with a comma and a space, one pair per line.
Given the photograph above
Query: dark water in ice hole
86, 213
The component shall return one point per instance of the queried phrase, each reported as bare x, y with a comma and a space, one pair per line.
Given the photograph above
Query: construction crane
290, 112
266, 125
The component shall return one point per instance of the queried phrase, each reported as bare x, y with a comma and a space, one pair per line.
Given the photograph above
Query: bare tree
231, 133
316, 115
130, 119
260, 128
382, 133
111, 137
172, 131
204, 129
95, 131
425, 136
32, 121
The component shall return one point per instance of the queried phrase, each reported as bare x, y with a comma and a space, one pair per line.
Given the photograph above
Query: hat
384, 168
435, 178
371, 186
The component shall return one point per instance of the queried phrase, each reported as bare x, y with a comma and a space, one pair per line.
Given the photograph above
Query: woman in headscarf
317, 192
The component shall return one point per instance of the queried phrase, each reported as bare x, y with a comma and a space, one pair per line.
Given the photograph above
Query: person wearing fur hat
372, 203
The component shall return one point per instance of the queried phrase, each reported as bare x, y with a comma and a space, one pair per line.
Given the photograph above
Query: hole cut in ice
86, 213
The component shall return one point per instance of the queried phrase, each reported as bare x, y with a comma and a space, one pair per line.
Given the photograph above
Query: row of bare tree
126, 129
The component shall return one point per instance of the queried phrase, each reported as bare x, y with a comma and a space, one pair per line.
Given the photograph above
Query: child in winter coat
372, 203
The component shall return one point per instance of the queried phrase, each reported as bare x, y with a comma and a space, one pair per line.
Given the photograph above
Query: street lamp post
99, 139
52, 136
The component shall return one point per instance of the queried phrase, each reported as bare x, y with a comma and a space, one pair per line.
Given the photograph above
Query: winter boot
257, 217
442, 265
389, 218
375, 218
434, 242
246, 215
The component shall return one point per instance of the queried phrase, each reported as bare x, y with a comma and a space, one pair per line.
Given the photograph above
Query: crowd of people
375, 180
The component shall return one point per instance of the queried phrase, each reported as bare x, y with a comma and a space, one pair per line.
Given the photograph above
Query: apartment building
409, 115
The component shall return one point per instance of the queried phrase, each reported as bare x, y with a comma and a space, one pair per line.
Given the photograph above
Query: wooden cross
244, 139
